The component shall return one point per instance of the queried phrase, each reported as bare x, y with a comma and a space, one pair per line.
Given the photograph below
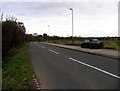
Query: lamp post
72, 24
49, 29
49, 32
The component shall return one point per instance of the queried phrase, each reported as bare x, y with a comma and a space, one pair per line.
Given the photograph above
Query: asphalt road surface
59, 68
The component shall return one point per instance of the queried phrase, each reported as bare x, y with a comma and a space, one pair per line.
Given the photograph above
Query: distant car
91, 43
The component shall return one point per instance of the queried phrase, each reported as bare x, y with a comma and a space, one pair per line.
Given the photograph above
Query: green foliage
0, 78
13, 34
16, 70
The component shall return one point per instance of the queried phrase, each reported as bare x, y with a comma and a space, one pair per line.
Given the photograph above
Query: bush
13, 33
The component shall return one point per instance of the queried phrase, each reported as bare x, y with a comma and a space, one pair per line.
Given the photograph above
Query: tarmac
101, 52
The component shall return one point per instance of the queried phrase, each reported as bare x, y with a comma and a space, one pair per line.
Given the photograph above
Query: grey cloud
57, 9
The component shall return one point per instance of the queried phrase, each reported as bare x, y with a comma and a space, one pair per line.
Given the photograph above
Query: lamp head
71, 9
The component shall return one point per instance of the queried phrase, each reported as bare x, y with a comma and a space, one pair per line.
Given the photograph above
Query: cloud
90, 18
54, 9
60, 0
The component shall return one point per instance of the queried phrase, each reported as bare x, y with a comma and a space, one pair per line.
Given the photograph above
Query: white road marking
53, 51
42, 46
38, 88
36, 82
95, 68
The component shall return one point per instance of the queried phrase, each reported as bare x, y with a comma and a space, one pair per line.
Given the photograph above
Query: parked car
91, 43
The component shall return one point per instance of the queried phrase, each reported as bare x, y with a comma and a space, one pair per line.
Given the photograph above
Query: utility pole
72, 24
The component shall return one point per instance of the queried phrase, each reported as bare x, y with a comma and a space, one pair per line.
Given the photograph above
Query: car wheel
82, 46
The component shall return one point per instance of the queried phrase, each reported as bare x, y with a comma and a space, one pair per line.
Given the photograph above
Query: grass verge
17, 73
108, 44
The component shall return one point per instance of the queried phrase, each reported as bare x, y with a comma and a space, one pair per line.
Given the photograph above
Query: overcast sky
91, 17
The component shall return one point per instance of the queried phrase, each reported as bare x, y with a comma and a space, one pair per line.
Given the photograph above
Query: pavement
101, 52
61, 68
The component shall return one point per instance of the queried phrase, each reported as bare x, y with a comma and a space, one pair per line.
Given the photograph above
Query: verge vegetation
16, 68
16, 71
107, 44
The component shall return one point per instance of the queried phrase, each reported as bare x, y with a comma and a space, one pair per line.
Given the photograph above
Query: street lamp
72, 24
49, 29
49, 32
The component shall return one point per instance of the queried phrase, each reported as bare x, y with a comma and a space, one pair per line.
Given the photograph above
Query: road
59, 68
102, 52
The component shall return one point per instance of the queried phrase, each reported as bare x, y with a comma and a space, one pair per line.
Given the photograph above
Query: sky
91, 18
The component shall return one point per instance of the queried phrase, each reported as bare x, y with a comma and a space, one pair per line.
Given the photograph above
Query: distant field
108, 44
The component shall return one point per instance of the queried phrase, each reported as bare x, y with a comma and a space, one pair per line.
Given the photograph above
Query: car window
95, 40
86, 40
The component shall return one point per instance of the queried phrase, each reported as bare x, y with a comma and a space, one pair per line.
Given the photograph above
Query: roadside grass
16, 72
108, 44
65, 42
0, 78
111, 44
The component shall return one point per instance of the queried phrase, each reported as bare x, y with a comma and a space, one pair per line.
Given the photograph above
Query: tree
13, 34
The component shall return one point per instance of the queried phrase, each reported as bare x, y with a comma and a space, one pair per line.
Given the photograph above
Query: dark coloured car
91, 43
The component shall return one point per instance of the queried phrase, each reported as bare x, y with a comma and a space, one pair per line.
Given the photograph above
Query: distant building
35, 34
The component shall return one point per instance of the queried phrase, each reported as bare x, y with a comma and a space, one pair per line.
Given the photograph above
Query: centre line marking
95, 68
42, 46
53, 51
